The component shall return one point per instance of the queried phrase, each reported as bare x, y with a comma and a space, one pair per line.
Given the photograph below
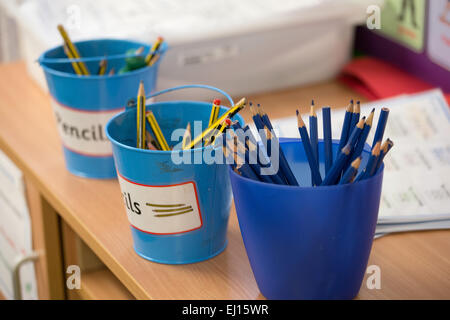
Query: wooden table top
413, 265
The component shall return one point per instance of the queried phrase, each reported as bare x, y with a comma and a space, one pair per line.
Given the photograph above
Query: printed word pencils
140, 117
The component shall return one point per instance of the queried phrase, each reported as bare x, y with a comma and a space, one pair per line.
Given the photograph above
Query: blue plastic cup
307, 242
83, 104
178, 212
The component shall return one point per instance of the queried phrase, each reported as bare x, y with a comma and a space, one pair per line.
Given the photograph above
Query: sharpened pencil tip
369, 119
355, 164
141, 90
376, 149
360, 123
300, 122
312, 102
312, 111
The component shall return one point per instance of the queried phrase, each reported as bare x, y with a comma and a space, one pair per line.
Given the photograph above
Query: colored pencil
363, 137
385, 147
315, 174
264, 117
260, 153
371, 164
218, 131
355, 116
345, 127
140, 117
72, 49
335, 172
157, 131
381, 126
313, 133
327, 138
153, 50
186, 136
230, 113
350, 173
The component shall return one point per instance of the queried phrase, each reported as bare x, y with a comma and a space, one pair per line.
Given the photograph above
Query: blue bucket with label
308, 242
84, 104
178, 210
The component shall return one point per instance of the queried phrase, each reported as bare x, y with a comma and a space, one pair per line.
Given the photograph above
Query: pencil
314, 134
157, 131
153, 50
327, 139
230, 113
218, 131
214, 112
75, 66
152, 143
315, 174
260, 153
363, 137
72, 49
264, 117
333, 175
355, 116
256, 168
112, 72
385, 147
345, 127
371, 164
186, 136
381, 126
351, 171
102, 67
140, 117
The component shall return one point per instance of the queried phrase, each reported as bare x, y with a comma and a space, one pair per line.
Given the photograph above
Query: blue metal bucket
178, 212
307, 242
84, 104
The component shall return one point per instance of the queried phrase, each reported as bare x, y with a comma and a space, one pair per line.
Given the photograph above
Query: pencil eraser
228, 122
216, 102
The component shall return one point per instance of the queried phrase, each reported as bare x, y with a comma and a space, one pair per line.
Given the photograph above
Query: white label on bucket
83, 132
167, 209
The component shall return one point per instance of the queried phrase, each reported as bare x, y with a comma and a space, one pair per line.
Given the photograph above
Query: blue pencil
351, 172
363, 137
371, 164
353, 139
313, 133
315, 174
327, 141
284, 165
264, 117
355, 115
335, 171
381, 125
385, 147
260, 153
345, 127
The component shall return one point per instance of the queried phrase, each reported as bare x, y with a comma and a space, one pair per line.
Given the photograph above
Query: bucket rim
308, 188
119, 144
95, 76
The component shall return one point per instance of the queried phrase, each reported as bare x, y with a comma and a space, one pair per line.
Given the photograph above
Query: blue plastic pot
307, 242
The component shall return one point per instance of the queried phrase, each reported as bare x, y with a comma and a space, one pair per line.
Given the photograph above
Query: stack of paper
416, 185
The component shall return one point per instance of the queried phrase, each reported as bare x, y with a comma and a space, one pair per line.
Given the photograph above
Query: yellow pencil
157, 131
102, 67
140, 117
229, 114
75, 65
186, 136
214, 112
152, 52
73, 50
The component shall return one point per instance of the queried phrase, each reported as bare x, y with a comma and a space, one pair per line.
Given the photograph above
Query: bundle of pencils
355, 130
135, 57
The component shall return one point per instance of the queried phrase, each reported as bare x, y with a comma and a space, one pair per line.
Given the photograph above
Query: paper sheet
416, 184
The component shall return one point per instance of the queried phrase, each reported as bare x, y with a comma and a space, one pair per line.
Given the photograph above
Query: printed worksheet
416, 185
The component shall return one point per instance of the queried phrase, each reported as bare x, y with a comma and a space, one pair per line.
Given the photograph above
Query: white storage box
239, 46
